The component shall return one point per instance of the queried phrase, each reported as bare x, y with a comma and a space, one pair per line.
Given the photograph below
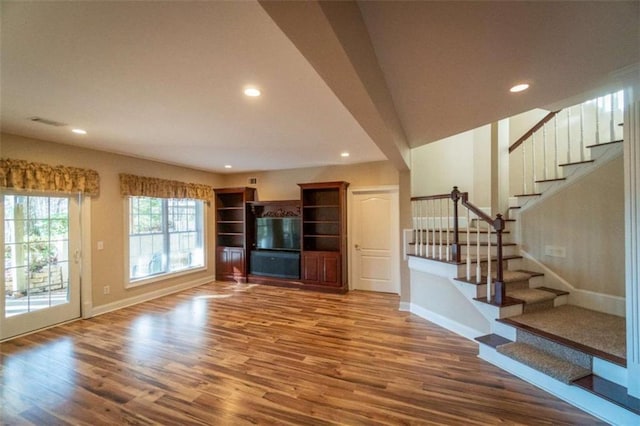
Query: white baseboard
405, 306
442, 321
113, 306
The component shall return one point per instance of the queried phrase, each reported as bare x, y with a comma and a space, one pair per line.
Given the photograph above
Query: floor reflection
44, 374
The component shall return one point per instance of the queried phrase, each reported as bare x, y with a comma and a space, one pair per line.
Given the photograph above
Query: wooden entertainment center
294, 243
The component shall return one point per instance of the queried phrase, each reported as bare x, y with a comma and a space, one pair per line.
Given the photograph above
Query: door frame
394, 191
84, 267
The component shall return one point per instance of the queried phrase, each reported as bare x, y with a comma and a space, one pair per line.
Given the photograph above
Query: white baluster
533, 162
468, 252
597, 121
414, 225
425, 228
448, 226
488, 262
524, 167
440, 233
612, 120
425, 235
555, 147
478, 266
420, 226
568, 135
544, 150
434, 233
582, 131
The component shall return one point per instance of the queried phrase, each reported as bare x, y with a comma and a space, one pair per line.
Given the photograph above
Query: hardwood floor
229, 354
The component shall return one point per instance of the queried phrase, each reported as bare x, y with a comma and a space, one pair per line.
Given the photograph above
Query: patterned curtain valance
131, 185
20, 174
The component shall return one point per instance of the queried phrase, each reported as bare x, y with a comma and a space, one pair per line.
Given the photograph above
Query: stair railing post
500, 289
455, 247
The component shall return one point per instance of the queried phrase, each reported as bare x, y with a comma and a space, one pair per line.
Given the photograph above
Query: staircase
533, 333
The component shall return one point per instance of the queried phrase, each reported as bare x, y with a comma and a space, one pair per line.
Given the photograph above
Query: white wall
462, 160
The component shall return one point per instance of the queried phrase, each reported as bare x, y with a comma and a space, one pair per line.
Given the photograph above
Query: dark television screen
278, 233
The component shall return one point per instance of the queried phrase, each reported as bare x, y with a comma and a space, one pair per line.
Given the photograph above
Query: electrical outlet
100, 245
106, 289
555, 251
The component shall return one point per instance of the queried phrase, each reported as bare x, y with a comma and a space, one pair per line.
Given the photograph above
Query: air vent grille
47, 122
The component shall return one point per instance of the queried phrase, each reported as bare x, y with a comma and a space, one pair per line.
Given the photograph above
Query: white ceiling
164, 80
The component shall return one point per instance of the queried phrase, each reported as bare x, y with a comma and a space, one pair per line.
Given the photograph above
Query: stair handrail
532, 130
498, 225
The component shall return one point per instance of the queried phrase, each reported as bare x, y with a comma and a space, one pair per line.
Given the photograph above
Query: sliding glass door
41, 243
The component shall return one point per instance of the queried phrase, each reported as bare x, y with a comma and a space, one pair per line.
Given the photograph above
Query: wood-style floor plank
234, 354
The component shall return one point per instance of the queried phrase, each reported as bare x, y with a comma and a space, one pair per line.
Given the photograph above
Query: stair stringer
600, 156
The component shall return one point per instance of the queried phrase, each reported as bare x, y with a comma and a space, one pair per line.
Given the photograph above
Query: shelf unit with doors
324, 234
234, 232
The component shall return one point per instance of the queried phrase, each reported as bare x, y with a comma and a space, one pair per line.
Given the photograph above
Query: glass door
41, 241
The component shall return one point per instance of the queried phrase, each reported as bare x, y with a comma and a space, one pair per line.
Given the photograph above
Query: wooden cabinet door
310, 267
330, 270
321, 268
230, 263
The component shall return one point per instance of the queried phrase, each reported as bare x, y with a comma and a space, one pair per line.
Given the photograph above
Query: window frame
131, 282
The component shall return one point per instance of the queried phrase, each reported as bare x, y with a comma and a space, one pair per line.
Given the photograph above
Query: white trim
442, 321
162, 277
610, 371
574, 395
86, 297
632, 233
394, 190
123, 303
614, 305
405, 307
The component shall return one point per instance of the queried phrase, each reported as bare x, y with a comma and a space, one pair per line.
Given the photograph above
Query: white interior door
41, 279
375, 244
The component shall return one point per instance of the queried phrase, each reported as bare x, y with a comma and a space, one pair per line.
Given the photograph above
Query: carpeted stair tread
537, 359
531, 295
599, 334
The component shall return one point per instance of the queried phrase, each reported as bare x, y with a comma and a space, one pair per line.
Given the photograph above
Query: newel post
500, 289
455, 247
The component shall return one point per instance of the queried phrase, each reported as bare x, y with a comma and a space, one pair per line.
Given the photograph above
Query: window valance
131, 185
21, 174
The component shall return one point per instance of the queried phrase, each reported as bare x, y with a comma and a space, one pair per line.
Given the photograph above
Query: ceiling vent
47, 122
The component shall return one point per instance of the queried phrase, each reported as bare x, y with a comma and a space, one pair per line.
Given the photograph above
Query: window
166, 235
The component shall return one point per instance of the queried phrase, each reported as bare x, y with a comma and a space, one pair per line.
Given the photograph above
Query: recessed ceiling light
519, 87
252, 92
227, 166
344, 154
79, 131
